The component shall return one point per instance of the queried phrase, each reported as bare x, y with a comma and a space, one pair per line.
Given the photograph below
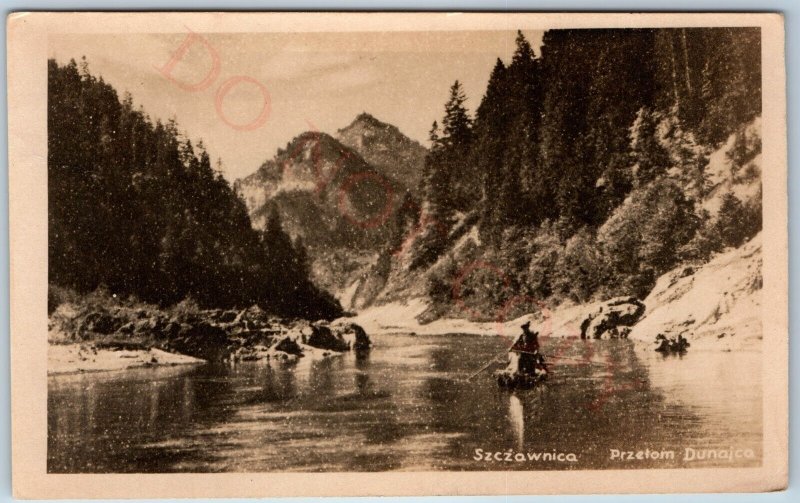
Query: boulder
288, 345
612, 319
152, 325
202, 340
251, 337
355, 336
127, 329
324, 338
171, 329
251, 353
252, 316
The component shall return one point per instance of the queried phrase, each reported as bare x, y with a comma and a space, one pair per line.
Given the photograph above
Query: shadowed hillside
137, 209
342, 207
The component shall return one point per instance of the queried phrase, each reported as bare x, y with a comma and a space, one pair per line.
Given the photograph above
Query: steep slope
136, 209
326, 193
735, 168
731, 168
716, 305
386, 148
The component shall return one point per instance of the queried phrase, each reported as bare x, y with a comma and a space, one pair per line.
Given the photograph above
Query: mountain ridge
343, 206
384, 146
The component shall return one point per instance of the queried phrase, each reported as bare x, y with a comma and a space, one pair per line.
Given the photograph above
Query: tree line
585, 165
135, 207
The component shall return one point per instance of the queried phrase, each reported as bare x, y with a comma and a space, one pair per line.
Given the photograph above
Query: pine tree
730, 77
737, 222
523, 55
457, 124
491, 136
648, 154
433, 136
138, 208
528, 201
449, 182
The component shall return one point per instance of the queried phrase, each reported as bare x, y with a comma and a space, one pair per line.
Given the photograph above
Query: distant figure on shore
671, 345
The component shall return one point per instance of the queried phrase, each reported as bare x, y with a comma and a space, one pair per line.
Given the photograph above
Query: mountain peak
366, 117
385, 147
365, 120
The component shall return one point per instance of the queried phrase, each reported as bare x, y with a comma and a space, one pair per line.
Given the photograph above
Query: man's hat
526, 324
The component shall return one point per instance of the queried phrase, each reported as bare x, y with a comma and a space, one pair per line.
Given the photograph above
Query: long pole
581, 360
493, 360
498, 355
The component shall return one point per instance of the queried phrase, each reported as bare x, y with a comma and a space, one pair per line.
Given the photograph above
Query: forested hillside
343, 196
585, 172
136, 208
591, 167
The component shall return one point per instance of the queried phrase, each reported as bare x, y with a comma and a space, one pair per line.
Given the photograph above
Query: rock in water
289, 346
611, 320
324, 338
203, 340
355, 336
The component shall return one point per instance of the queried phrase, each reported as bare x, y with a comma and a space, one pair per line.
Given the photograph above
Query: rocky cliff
341, 195
714, 305
386, 148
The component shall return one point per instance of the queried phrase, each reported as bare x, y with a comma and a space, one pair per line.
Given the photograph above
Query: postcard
342, 254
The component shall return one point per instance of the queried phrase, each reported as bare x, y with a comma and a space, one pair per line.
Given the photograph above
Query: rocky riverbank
715, 306
608, 319
97, 332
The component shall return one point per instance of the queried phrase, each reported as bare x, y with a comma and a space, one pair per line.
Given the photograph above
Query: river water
408, 405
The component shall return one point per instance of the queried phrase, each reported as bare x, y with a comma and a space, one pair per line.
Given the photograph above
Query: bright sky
317, 81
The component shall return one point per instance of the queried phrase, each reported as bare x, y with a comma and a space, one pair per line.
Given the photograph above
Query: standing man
524, 356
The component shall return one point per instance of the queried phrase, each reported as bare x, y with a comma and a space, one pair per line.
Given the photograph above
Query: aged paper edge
27, 81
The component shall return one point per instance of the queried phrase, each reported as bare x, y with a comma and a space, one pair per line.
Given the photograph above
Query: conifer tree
491, 133
136, 207
457, 124
649, 156
450, 183
433, 136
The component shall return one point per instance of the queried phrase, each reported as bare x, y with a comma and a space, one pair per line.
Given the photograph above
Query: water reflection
405, 405
516, 416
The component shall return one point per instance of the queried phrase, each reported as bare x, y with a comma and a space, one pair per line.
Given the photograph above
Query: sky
218, 87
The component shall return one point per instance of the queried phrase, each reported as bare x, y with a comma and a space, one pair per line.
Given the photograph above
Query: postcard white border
27, 81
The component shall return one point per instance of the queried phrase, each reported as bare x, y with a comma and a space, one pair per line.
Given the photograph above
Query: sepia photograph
465, 246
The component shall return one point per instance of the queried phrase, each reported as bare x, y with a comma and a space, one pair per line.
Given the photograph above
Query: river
408, 405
